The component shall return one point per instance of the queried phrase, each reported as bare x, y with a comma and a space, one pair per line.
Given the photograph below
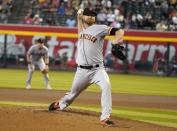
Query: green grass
160, 117
131, 84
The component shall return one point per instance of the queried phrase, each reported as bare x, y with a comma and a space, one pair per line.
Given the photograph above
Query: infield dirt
35, 118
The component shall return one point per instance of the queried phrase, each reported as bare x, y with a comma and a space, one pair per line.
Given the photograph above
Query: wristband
29, 62
46, 63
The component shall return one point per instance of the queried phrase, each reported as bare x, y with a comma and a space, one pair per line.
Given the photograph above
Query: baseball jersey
90, 44
37, 54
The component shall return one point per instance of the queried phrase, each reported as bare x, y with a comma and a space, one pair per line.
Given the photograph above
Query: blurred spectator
69, 11
157, 3
22, 47
57, 59
116, 12
83, 4
172, 26
28, 19
98, 6
161, 66
116, 24
61, 9
127, 24
110, 17
51, 21
164, 4
109, 61
4, 16
0, 7
148, 12
74, 4
55, 2
161, 26
101, 17
174, 19
106, 3
45, 5
173, 65
65, 59
35, 4
149, 21
41, 1
120, 18
37, 20
30, 11
137, 17
71, 22
53, 8
93, 3
9, 6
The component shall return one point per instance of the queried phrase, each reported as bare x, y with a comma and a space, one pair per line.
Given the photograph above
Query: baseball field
140, 103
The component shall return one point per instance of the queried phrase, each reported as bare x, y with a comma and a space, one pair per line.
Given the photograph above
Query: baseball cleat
28, 87
54, 106
107, 122
48, 87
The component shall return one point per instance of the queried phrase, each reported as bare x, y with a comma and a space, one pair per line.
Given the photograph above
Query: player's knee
31, 71
106, 86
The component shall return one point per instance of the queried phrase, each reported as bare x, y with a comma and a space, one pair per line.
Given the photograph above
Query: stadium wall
142, 45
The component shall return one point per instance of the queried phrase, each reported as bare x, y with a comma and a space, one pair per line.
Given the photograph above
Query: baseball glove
117, 51
45, 71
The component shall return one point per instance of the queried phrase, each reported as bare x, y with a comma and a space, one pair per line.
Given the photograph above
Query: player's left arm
118, 34
116, 48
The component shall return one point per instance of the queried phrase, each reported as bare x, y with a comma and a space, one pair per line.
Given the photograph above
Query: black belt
88, 66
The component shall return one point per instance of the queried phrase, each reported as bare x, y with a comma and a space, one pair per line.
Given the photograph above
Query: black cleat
107, 122
54, 106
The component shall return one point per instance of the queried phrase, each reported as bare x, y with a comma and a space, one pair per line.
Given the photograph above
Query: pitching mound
19, 118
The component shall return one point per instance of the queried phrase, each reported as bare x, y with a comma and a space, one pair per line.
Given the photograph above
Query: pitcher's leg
102, 80
80, 83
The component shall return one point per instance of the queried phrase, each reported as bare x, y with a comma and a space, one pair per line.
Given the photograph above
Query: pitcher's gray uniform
37, 58
90, 63
90, 49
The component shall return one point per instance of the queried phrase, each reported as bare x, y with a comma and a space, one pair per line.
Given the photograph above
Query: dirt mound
19, 118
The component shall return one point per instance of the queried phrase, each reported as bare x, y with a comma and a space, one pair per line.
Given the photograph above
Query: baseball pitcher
38, 55
90, 67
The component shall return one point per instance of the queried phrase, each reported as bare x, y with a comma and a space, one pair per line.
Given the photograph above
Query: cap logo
90, 9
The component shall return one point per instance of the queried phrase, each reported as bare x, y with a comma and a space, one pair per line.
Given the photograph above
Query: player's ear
96, 19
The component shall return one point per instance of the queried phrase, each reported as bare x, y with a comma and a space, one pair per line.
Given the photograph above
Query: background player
90, 63
38, 55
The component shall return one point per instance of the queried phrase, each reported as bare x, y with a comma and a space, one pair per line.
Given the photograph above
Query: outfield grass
156, 116
131, 84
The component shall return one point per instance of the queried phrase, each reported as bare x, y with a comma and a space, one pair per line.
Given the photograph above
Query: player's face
40, 45
89, 19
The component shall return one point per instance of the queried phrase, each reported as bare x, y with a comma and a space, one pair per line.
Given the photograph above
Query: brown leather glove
45, 71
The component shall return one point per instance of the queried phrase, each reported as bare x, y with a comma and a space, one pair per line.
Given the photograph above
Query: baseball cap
89, 11
40, 40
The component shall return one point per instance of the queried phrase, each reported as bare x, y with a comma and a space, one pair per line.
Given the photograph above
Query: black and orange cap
89, 11
40, 40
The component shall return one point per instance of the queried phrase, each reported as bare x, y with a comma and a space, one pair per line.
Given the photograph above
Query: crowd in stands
158, 15
6, 7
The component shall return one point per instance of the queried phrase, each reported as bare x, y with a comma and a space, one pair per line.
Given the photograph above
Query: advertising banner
142, 45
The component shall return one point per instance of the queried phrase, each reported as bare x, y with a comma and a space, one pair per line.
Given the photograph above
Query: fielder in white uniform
90, 67
38, 55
